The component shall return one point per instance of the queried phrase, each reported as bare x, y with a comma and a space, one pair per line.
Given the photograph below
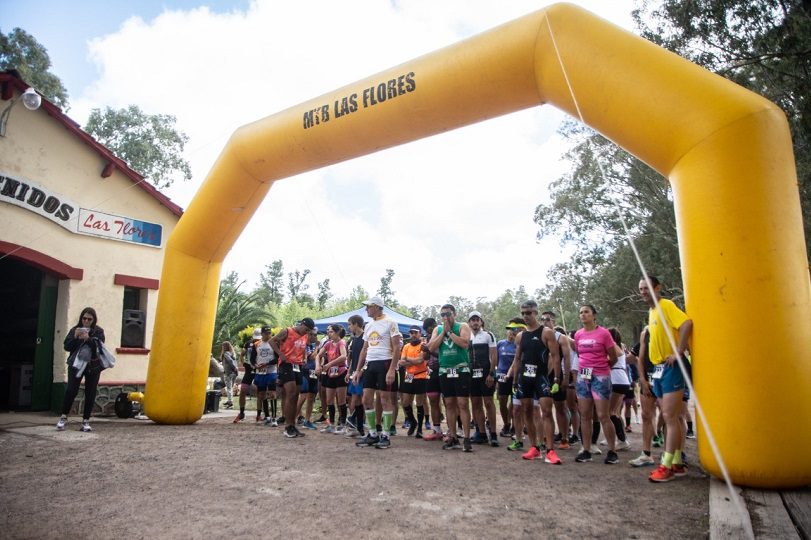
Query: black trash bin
212, 401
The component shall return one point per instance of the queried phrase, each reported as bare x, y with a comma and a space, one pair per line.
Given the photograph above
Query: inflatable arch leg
726, 151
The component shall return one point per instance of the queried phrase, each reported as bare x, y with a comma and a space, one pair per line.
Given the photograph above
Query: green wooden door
44, 355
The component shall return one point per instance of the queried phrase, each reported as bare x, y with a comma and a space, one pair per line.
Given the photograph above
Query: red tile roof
9, 83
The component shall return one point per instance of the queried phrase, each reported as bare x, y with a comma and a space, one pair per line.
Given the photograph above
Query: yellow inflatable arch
726, 151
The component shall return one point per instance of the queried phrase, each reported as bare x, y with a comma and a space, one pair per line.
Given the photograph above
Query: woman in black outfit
82, 341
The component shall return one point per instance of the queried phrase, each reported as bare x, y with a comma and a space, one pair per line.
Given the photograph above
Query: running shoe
280, 420
661, 474
300, 420
309, 425
427, 425
603, 442
290, 432
658, 440
412, 428
351, 433
505, 432
229, 405
368, 440
406, 423
392, 431
558, 437
320, 419
297, 432
690, 434
383, 443
679, 470
611, 458
515, 446
494, 441
269, 421
628, 429
258, 418
583, 456
642, 461
552, 457
623, 445
60, 426
432, 436
328, 429
478, 438
574, 439
596, 450
452, 444
532, 453
340, 430
564, 445
418, 435
240, 417
466, 446
86, 427
350, 422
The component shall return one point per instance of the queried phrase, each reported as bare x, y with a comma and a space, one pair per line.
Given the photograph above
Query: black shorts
478, 383
375, 376
620, 389
290, 373
505, 385
247, 378
532, 388
433, 381
415, 387
458, 386
560, 395
334, 382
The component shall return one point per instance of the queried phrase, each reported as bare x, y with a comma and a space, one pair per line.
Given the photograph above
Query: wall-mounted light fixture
31, 101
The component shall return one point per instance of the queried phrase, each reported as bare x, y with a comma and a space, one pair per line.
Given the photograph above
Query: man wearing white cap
382, 343
483, 362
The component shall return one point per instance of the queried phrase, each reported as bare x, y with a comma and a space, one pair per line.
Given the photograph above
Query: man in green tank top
452, 340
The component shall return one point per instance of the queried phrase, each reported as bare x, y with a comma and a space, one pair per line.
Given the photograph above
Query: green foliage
296, 287
324, 294
271, 283
763, 45
21, 51
149, 143
236, 312
385, 292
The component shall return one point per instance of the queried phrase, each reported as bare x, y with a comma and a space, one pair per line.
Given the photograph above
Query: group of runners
539, 377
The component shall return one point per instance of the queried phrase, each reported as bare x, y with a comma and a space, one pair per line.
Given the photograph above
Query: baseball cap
308, 322
257, 333
474, 314
265, 329
374, 301
415, 328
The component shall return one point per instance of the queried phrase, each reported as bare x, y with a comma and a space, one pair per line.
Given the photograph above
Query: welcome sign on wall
75, 219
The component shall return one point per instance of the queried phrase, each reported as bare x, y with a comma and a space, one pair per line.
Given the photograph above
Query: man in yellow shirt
671, 326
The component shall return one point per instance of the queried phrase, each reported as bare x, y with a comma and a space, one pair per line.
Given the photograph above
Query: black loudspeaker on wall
133, 328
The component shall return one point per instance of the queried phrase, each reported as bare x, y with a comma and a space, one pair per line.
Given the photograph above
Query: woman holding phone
82, 341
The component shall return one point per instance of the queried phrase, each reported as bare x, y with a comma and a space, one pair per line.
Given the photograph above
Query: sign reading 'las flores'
69, 215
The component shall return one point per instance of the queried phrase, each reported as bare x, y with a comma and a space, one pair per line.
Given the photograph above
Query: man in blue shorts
668, 379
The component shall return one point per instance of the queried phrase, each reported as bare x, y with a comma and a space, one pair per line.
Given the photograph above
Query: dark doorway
26, 335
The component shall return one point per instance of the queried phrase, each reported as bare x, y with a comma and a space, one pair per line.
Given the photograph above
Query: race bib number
530, 370
296, 368
313, 375
585, 374
478, 373
502, 377
452, 373
333, 372
658, 371
409, 377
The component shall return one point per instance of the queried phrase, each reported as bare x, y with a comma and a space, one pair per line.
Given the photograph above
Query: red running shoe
552, 457
662, 474
679, 470
240, 417
533, 453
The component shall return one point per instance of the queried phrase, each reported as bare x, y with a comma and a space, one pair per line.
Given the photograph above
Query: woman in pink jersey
597, 353
331, 361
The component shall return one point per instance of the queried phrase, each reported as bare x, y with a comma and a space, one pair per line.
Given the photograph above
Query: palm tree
235, 311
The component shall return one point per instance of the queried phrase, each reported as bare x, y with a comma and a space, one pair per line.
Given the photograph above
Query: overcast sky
219, 65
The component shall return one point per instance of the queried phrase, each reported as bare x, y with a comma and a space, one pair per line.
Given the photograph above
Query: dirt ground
138, 479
